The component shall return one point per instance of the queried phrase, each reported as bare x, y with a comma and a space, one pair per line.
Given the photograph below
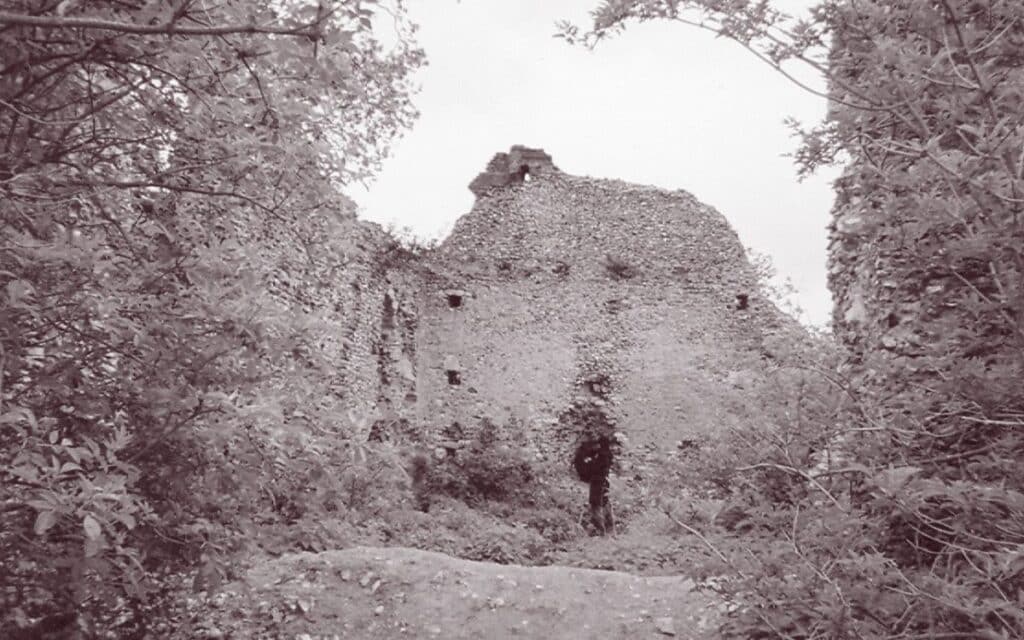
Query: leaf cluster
487, 469
897, 513
169, 183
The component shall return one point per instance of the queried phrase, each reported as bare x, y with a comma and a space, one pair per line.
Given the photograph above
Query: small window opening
454, 377
742, 301
454, 431
454, 301
523, 174
892, 320
388, 314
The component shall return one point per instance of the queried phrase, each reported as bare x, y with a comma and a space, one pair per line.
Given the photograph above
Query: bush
830, 529
485, 470
146, 342
505, 545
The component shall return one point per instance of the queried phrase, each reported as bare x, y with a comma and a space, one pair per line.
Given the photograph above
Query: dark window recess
742, 301
454, 300
892, 320
614, 305
523, 174
387, 320
454, 377
454, 431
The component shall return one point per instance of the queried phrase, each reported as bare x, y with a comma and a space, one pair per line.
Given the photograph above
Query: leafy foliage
486, 469
155, 159
915, 530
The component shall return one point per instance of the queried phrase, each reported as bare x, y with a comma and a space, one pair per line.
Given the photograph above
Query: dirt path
407, 593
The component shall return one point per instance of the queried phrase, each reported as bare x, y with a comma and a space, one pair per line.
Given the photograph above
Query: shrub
485, 470
829, 530
145, 344
557, 525
505, 545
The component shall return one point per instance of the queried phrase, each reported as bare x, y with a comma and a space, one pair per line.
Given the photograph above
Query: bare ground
394, 592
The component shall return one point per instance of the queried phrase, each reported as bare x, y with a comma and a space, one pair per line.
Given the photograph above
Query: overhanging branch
168, 29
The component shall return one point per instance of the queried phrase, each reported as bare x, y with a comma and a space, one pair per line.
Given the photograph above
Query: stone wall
551, 282
519, 165
347, 280
555, 278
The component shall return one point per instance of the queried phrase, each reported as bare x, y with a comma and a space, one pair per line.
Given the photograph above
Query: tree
927, 264
152, 154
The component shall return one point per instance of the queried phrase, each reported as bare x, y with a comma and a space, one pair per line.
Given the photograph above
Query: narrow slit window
742, 301
454, 377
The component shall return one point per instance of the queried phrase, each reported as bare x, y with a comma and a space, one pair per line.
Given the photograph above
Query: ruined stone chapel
556, 287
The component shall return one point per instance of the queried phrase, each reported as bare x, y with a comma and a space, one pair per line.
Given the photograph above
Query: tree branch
803, 474
169, 29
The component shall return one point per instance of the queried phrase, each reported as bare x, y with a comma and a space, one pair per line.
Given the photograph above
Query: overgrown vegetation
164, 406
154, 158
886, 500
486, 469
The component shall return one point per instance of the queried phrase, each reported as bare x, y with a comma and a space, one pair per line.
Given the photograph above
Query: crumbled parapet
518, 165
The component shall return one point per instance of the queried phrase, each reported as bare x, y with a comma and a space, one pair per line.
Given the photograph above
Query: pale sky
661, 104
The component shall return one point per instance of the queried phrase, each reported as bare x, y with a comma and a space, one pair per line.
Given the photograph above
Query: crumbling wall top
519, 164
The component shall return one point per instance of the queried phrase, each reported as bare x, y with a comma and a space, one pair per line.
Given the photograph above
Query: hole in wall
454, 377
619, 269
388, 313
454, 300
454, 431
892, 320
614, 305
742, 301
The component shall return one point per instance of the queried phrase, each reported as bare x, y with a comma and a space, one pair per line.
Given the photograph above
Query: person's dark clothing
593, 462
601, 507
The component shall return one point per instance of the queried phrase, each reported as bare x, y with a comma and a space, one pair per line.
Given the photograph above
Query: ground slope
368, 592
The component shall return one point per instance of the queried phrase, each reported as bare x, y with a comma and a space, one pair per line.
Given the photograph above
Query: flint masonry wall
552, 278
358, 289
